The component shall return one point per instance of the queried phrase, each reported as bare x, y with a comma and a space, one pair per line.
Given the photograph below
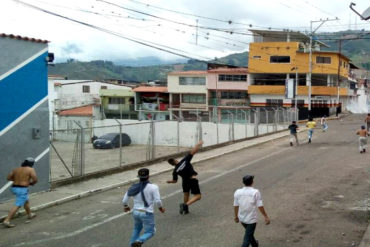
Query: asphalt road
315, 194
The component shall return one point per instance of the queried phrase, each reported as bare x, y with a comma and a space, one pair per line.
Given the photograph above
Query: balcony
302, 90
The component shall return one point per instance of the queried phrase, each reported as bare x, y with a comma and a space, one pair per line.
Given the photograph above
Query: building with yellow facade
275, 56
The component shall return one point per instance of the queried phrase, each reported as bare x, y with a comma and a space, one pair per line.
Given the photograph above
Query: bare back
23, 176
367, 119
362, 133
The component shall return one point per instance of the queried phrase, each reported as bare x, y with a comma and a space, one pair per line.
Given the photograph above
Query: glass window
192, 81
194, 98
324, 60
103, 87
85, 89
280, 59
234, 95
116, 101
256, 57
232, 78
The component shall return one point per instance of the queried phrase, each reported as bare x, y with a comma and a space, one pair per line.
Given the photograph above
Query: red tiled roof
229, 70
190, 72
12, 36
78, 111
143, 89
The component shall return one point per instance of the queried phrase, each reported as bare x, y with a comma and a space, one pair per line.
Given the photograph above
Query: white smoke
359, 105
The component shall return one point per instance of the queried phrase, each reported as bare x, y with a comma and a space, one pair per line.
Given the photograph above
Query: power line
145, 43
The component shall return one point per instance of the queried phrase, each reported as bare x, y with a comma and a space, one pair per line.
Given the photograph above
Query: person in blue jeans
146, 196
246, 202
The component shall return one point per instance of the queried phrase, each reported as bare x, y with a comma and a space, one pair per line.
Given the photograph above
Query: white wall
174, 86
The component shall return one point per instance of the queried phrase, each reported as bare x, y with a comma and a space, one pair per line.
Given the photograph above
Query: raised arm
196, 147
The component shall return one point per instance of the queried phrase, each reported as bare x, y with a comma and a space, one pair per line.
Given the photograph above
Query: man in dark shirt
293, 133
190, 182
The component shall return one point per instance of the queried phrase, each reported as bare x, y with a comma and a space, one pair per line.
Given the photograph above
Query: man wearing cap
246, 202
22, 177
189, 178
145, 196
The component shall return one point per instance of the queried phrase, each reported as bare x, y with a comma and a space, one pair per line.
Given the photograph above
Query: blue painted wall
23, 89
20, 91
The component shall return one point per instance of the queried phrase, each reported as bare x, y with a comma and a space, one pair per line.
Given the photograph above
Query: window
232, 77
103, 87
324, 60
192, 80
85, 89
194, 98
280, 59
256, 57
116, 101
233, 95
274, 102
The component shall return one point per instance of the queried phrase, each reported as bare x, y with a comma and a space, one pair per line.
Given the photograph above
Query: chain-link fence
114, 143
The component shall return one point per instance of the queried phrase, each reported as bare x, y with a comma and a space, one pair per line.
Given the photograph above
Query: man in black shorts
190, 182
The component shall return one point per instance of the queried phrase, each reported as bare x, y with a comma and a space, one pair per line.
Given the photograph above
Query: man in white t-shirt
246, 202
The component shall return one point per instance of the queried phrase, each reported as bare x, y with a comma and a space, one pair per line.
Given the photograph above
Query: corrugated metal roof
78, 111
144, 89
12, 36
190, 72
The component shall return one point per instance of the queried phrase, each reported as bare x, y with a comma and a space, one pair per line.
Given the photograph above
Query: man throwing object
190, 182
22, 177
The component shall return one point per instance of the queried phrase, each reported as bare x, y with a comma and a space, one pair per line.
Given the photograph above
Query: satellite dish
366, 14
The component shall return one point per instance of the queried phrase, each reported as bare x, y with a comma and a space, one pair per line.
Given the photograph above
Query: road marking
87, 228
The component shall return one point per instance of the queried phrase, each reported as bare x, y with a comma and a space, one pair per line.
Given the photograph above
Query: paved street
315, 195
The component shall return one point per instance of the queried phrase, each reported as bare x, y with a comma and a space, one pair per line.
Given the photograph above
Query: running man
324, 124
293, 133
246, 202
145, 195
362, 140
310, 125
22, 177
190, 182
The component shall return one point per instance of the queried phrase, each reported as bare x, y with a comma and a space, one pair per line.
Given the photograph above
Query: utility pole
338, 76
309, 81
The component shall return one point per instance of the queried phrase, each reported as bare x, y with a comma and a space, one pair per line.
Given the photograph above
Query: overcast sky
151, 23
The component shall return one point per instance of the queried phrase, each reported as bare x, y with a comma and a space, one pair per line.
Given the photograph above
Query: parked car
111, 140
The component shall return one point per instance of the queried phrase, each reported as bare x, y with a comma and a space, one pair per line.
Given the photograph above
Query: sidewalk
78, 190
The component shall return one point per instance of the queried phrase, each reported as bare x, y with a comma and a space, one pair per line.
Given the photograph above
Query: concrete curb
113, 186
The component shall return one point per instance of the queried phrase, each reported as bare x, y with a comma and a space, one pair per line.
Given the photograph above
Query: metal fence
73, 153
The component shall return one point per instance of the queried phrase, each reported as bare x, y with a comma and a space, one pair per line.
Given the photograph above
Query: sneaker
7, 224
309, 140
182, 208
291, 144
136, 244
186, 208
31, 216
361, 152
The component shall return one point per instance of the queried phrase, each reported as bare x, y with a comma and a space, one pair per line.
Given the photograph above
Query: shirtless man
362, 140
22, 177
